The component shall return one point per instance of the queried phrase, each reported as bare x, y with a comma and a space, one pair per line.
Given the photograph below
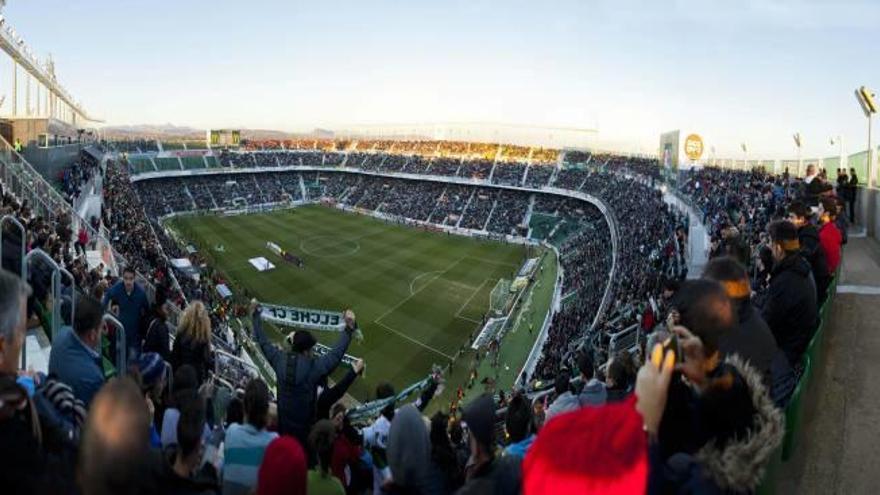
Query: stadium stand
744, 212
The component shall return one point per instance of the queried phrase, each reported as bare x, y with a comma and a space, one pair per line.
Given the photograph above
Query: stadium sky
733, 71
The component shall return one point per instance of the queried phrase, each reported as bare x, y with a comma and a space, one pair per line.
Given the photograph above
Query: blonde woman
192, 344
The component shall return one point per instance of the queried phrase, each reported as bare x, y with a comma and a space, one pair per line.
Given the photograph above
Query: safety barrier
120, 362
22, 244
811, 363
40, 255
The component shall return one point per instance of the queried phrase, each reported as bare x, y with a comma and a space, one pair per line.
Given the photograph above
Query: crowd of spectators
787, 231
509, 174
539, 174
77, 175
161, 426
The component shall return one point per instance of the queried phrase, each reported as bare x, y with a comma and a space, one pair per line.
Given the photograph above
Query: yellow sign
693, 147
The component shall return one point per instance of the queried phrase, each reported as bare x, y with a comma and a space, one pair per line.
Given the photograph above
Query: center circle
328, 246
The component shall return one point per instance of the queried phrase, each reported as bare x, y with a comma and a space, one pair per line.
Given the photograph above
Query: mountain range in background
171, 132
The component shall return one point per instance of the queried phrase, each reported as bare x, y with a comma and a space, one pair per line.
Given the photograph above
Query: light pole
797, 142
866, 97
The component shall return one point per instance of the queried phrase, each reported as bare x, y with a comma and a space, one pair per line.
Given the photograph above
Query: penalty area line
476, 291
414, 341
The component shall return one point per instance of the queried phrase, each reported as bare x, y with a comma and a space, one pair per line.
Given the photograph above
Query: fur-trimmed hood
740, 465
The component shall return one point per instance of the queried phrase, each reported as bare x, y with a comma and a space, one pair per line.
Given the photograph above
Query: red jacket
830, 239
345, 456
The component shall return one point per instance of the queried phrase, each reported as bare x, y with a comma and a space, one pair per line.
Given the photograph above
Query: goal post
499, 297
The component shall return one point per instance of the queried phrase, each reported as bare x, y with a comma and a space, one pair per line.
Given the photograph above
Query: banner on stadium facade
311, 319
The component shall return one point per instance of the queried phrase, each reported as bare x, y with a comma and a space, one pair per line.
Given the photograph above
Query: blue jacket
76, 364
298, 378
520, 448
132, 308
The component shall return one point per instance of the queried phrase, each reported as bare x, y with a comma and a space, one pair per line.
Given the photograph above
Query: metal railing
29, 186
55, 280
23, 244
120, 363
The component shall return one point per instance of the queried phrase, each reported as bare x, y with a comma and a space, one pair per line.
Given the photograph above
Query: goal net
500, 297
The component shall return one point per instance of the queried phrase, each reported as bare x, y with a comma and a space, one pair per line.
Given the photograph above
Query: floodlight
866, 98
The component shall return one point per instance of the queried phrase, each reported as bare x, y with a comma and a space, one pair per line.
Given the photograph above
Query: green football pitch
418, 295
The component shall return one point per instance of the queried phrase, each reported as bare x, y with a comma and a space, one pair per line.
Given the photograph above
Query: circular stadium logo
693, 147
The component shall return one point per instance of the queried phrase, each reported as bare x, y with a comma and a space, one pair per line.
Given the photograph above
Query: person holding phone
710, 421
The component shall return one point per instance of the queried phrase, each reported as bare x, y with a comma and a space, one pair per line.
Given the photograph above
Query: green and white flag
311, 319
304, 318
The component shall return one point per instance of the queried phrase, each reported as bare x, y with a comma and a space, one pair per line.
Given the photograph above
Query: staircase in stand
464, 210
525, 175
437, 203
529, 210
191, 198
492, 211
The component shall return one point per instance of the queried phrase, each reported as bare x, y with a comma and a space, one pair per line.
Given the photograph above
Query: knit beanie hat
283, 471
152, 368
479, 416
590, 450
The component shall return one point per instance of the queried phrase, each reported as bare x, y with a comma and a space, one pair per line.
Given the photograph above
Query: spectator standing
82, 239
184, 389
620, 377
283, 471
750, 337
75, 358
377, 434
157, 338
485, 473
593, 393
153, 372
133, 307
346, 462
115, 456
299, 373
22, 459
321, 480
811, 249
830, 236
719, 428
409, 456
853, 194
790, 309
246, 443
192, 344
565, 456
444, 457
519, 426
330, 395
183, 474
815, 186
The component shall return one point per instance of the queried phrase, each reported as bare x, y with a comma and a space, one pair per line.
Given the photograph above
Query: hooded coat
734, 466
790, 309
409, 455
751, 339
812, 251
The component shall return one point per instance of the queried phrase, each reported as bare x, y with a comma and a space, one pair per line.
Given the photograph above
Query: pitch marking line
491, 261
412, 290
405, 299
414, 341
350, 252
476, 291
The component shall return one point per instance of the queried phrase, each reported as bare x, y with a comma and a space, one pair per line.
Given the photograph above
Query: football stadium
487, 248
